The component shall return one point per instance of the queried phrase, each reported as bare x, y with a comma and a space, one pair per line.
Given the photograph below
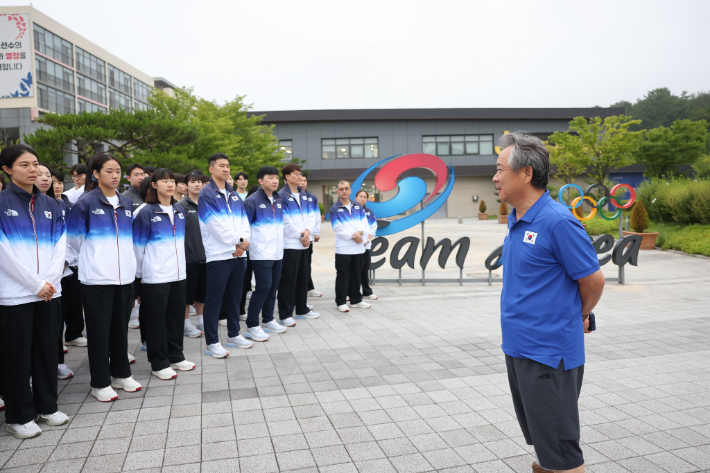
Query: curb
677, 252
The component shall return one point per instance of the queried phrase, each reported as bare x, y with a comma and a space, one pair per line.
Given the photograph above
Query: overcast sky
294, 55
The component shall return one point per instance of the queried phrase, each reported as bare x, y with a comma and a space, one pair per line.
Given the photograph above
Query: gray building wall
18, 118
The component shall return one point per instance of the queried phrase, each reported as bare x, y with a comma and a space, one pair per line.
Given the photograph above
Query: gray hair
528, 151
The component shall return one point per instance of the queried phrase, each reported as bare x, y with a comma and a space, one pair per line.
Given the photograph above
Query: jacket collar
262, 194
340, 204
104, 199
213, 185
159, 210
23, 194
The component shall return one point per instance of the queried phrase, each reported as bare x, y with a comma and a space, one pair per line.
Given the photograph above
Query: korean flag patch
128, 213
182, 217
48, 214
530, 237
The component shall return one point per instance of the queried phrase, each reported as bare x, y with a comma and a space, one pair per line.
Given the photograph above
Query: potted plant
322, 212
482, 215
503, 213
639, 222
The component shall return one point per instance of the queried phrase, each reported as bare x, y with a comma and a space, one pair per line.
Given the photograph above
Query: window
52, 45
458, 145
90, 65
55, 75
349, 148
90, 89
9, 136
141, 106
84, 106
286, 147
141, 91
55, 100
119, 100
119, 79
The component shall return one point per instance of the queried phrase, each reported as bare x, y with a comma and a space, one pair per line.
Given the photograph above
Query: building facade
46, 67
341, 144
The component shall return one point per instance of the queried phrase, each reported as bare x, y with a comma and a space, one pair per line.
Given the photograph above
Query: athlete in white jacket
361, 197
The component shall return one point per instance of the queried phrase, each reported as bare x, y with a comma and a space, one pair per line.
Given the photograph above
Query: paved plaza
415, 384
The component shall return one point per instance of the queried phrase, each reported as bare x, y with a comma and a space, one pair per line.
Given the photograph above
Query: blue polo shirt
544, 253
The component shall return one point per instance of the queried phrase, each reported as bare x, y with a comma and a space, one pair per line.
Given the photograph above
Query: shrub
503, 209
677, 200
482, 207
639, 218
322, 209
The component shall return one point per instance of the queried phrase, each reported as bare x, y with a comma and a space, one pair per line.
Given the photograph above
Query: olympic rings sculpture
609, 197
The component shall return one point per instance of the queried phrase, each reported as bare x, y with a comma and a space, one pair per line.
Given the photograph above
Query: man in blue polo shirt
551, 283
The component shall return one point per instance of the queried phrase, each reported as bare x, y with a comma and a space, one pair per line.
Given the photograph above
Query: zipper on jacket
177, 256
34, 227
118, 246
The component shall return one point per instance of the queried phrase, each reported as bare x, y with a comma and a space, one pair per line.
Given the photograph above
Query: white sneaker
165, 374
242, 317
192, 310
77, 342
372, 297
106, 394
361, 305
184, 365
314, 293
192, 332
223, 322
239, 342
131, 359
65, 349
58, 418
216, 351
310, 306
273, 327
343, 308
201, 327
309, 315
63, 372
129, 384
133, 321
24, 431
256, 334
248, 295
288, 322
2, 404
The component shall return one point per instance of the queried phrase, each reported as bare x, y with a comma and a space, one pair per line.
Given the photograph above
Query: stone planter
648, 240
503, 219
322, 218
482, 216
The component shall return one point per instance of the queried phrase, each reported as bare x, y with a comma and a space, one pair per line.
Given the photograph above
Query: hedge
677, 200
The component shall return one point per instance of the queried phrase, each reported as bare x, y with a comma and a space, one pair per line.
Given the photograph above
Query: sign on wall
15, 56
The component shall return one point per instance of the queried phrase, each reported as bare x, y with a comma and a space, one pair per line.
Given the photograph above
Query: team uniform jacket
315, 212
32, 245
100, 240
345, 223
297, 219
372, 221
222, 223
194, 249
266, 220
159, 244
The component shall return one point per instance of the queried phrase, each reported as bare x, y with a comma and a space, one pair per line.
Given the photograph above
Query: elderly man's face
508, 184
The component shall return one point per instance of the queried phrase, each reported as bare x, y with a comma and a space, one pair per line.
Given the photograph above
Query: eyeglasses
77, 176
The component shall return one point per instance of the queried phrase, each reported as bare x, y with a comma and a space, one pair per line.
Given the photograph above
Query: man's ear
528, 174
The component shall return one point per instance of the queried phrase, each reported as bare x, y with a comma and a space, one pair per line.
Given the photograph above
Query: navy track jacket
266, 220
222, 223
159, 244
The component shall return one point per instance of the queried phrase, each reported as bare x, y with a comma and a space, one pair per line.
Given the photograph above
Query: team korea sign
15, 56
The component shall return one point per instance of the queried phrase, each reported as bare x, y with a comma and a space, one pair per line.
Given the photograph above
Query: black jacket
135, 196
194, 249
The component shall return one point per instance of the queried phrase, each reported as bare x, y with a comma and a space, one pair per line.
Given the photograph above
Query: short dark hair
206, 179
96, 163
79, 169
362, 190
267, 171
241, 174
179, 179
150, 169
198, 171
132, 167
217, 156
253, 189
56, 174
289, 168
162, 173
192, 176
9, 155
145, 185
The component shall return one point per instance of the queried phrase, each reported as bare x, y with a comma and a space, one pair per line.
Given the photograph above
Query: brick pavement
415, 384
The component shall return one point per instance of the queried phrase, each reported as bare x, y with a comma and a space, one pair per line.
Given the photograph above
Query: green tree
660, 107
224, 129
664, 149
565, 157
599, 145
122, 133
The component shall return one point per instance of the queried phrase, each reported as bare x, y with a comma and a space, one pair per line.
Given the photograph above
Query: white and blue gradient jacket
297, 219
32, 245
159, 245
372, 221
222, 223
345, 223
267, 226
100, 240
315, 214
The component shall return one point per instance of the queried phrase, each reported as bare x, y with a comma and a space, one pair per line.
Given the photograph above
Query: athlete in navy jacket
159, 245
32, 249
100, 243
